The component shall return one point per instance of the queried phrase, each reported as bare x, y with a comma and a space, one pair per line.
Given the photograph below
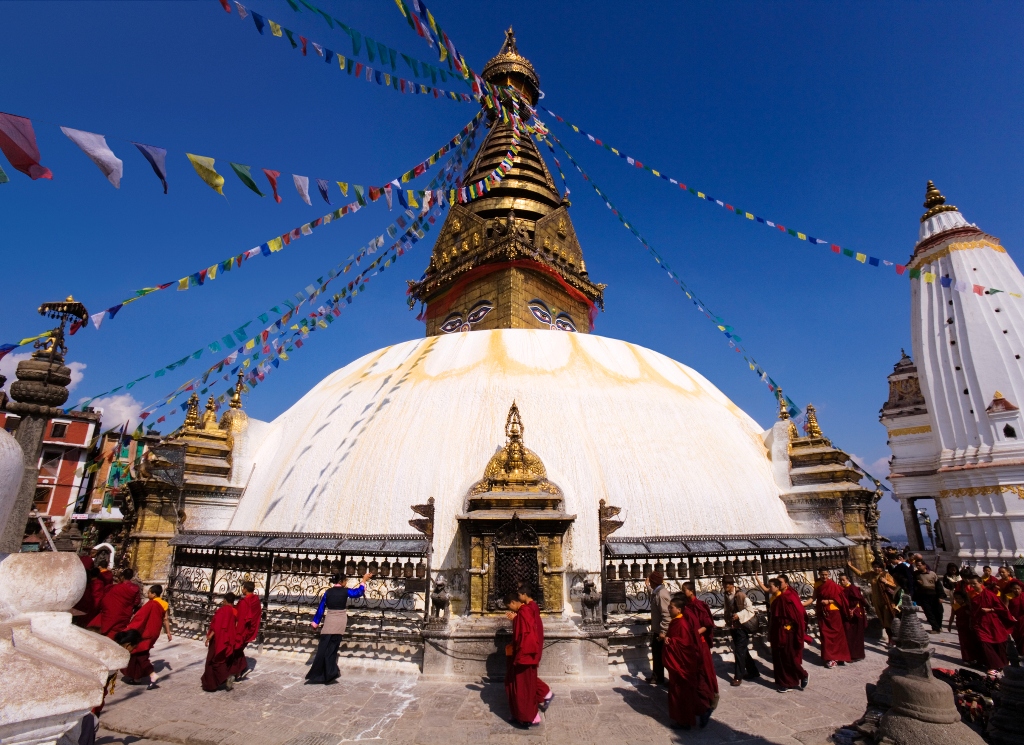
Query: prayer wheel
362, 566
648, 569
635, 571
623, 570
709, 568
728, 567
307, 564
756, 566
747, 567
373, 567
350, 568
385, 568
335, 567
659, 567
609, 572
409, 570
421, 569
396, 569
670, 570
314, 566
696, 570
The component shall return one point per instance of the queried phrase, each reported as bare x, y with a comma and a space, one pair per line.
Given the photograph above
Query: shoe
704, 719
230, 682
650, 679
803, 684
780, 689
546, 702
518, 725
736, 682
152, 686
753, 676
841, 663
830, 664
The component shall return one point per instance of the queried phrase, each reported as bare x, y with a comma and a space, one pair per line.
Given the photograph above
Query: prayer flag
275, 29
322, 185
18, 144
259, 20
3, 177
95, 147
157, 158
246, 178
204, 167
343, 185
272, 177
302, 186
979, 290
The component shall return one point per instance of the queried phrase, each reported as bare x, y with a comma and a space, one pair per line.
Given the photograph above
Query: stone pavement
273, 707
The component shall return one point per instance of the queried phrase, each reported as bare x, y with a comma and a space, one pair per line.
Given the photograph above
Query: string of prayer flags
422, 21
6, 349
463, 138
157, 158
357, 69
204, 167
95, 147
246, 178
18, 144
727, 330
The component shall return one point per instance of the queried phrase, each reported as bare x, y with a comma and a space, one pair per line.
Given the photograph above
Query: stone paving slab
393, 707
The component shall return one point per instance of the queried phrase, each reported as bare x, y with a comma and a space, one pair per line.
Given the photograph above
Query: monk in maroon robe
991, 623
544, 694
699, 615
522, 657
247, 627
692, 692
117, 606
1013, 593
787, 629
961, 614
88, 607
148, 622
220, 642
832, 611
857, 622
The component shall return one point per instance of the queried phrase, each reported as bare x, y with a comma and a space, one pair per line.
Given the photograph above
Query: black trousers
745, 665
325, 664
657, 665
932, 607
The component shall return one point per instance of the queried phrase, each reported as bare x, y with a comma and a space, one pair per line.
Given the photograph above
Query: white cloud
878, 468
9, 366
117, 410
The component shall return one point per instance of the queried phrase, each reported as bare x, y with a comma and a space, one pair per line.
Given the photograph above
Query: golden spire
783, 408
934, 202
210, 415
514, 445
813, 430
236, 397
192, 414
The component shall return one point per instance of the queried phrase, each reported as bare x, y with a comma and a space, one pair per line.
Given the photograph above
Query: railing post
266, 602
213, 575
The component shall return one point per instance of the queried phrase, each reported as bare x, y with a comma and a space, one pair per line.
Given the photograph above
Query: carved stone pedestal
470, 648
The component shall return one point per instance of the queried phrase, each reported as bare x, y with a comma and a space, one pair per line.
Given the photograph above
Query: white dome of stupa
610, 420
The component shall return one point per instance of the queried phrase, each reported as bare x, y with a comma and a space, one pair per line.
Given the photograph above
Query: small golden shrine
515, 524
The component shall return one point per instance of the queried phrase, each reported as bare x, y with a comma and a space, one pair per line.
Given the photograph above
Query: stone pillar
38, 391
910, 520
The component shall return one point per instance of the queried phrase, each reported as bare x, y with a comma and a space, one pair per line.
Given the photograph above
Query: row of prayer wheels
732, 566
261, 563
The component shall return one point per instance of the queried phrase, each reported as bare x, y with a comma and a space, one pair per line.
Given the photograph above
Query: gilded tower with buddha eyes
509, 258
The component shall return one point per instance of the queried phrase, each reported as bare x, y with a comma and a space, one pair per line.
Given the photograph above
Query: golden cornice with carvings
910, 431
977, 491
919, 261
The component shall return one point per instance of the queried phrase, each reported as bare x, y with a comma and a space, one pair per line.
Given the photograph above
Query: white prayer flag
95, 146
302, 186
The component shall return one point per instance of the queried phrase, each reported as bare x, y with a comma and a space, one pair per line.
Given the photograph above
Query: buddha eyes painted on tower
455, 322
552, 319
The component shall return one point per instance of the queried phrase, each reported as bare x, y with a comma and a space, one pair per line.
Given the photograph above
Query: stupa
523, 441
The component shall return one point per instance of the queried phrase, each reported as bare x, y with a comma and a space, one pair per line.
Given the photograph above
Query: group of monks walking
989, 615
233, 626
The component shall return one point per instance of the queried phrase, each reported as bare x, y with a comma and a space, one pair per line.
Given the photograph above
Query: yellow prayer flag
801, 236
283, 356
748, 215
341, 62
275, 28
211, 273
387, 79
322, 324
1015, 294
204, 167
275, 245
861, 258
615, 151
655, 172
929, 276
250, 344
575, 128
343, 185
700, 194
412, 198
182, 284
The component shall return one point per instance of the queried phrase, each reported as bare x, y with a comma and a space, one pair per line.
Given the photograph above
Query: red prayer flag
18, 143
835, 248
227, 8
900, 268
979, 290
272, 177
301, 38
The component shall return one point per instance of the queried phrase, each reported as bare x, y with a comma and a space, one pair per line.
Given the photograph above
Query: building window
1010, 432
58, 430
50, 464
42, 498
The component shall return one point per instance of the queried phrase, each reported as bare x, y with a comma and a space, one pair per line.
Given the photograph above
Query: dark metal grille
511, 567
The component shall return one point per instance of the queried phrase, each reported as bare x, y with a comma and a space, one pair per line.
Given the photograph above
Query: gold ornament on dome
235, 420
210, 415
935, 202
515, 468
192, 414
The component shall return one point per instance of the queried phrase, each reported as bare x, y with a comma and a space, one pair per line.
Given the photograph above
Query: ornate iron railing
291, 572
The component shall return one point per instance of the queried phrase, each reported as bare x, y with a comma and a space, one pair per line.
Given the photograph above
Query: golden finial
813, 430
510, 42
793, 434
783, 408
236, 397
934, 202
192, 414
210, 415
514, 446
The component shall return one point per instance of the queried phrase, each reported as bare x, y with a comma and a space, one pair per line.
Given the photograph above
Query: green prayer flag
294, 6
791, 231
326, 18
359, 194
915, 273
159, 373
264, 317
3, 177
357, 40
197, 354
847, 252
228, 341
393, 58
369, 49
290, 37
246, 178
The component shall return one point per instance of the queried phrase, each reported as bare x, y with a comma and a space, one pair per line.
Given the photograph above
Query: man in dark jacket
660, 620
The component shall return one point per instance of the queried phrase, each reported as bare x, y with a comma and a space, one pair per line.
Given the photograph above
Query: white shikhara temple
953, 415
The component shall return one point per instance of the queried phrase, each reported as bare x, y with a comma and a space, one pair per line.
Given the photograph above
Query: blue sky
827, 118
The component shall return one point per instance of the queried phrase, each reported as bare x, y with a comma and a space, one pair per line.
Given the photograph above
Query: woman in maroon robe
857, 621
832, 611
117, 606
961, 614
148, 622
522, 657
787, 629
220, 640
692, 693
991, 623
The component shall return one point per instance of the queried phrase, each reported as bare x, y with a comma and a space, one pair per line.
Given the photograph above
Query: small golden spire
813, 430
783, 408
210, 415
793, 434
510, 42
192, 414
934, 202
236, 397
